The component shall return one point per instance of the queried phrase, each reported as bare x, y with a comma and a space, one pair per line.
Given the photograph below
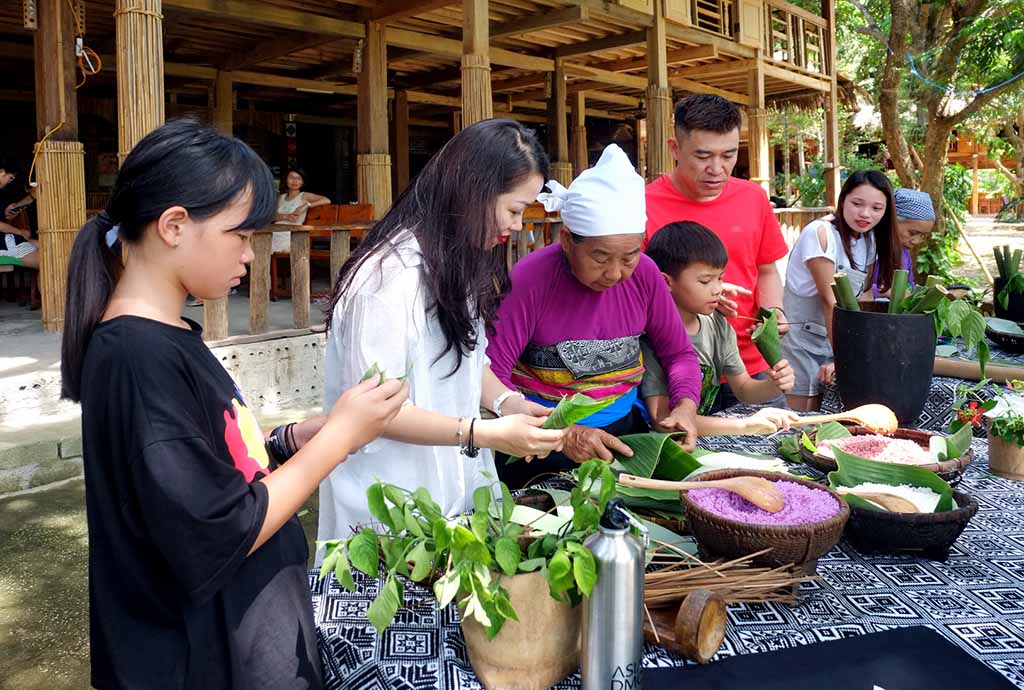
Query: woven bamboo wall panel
373, 179
477, 104
659, 129
61, 208
561, 171
140, 71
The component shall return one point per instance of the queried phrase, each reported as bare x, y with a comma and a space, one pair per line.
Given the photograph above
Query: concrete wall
40, 434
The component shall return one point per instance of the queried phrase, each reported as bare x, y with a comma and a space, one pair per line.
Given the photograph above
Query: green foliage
940, 255
569, 411
810, 188
470, 553
854, 470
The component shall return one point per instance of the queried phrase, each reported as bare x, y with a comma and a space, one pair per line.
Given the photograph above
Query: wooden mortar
695, 631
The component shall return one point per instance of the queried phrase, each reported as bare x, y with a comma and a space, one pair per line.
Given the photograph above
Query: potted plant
886, 353
498, 571
1009, 284
1005, 415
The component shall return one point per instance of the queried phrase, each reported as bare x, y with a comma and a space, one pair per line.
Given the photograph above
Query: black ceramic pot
884, 358
1014, 309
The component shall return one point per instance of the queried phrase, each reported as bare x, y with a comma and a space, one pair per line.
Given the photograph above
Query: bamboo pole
659, 100
140, 71
373, 161
580, 156
476, 65
61, 212
561, 167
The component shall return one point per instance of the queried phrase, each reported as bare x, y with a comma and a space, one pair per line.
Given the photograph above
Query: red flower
972, 415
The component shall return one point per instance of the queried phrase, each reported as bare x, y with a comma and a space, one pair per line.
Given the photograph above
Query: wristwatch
496, 407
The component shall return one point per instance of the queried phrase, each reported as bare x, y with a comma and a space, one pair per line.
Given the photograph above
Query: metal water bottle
612, 641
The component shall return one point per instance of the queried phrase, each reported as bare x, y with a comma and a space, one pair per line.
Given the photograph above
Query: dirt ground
983, 233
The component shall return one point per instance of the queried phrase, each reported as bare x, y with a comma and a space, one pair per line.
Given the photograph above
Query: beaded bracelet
281, 443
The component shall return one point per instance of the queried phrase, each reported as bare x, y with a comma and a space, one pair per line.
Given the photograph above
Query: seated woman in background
16, 244
861, 233
292, 206
915, 220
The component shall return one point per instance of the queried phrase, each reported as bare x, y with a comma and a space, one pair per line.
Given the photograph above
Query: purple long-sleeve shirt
547, 306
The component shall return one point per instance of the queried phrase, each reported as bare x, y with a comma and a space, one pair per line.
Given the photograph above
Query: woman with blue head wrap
915, 220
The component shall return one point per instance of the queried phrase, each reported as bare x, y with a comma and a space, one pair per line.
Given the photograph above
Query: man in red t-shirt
701, 188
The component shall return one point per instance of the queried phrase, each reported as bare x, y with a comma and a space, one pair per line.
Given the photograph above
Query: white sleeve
810, 246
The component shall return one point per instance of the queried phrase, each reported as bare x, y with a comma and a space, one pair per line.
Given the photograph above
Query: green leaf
397, 520
584, 569
569, 411
395, 495
506, 552
412, 523
331, 555
447, 587
378, 508
855, 470
426, 505
422, 560
375, 369
442, 536
531, 564
958, 311
508, 504
959, 442
482, 499
343, 573
585, 518
560, 576
766, 339
462, 537
478, 521
655, 455
478, 553
383, 609
362, 550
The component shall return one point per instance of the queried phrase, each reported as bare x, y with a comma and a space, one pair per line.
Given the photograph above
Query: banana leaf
854, 470
655, 455
569, 411
766, 338
958, 443
825, 432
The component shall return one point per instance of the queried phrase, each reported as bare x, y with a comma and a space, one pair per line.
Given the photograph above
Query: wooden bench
320, 222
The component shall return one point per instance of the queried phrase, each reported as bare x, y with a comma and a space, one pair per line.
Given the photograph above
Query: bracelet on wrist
281, 443
496, 405
471, 451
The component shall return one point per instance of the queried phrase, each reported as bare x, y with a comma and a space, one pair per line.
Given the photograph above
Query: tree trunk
801, 161
786, 143
889, 100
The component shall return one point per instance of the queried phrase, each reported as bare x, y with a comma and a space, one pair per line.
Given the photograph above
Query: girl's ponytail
92, 273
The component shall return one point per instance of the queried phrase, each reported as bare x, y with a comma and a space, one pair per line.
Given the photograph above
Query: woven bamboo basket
929, 535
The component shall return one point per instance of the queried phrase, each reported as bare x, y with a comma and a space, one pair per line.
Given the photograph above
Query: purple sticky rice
803, 505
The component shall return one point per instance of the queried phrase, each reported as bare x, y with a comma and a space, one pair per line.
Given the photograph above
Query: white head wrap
607, 199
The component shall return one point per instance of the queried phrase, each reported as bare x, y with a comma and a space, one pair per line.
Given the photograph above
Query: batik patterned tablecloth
975, 599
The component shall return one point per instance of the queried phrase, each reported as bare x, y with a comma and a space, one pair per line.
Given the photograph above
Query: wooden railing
796, 38
793, 220
715, 16
536, 234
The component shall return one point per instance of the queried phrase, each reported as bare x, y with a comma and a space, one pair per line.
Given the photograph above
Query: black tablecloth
974, 600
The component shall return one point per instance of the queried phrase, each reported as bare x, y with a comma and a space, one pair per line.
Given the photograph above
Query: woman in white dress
417, 298
292, 206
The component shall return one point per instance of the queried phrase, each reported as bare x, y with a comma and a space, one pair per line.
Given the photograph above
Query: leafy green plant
766, 337
958, 318
470, 554
1008, 264
569, 411
1005, 411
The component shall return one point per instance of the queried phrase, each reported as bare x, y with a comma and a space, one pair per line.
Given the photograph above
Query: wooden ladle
894, 504
877, 418
761, 492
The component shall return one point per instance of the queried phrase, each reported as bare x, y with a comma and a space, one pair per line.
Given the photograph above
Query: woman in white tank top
292, 206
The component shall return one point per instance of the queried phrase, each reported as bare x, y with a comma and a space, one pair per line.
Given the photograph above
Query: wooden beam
518, 82
248, 12
718, 69
672, 57
630, 38
604, 96
691, 35
434, 99
539, 22
264, 51
393, 10
606, 77
823, 84
449, 47
699, 87
610, 10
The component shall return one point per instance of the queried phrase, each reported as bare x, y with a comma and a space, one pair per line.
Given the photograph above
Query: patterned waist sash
597, 368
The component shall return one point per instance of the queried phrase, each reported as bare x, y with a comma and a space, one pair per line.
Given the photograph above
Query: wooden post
456, 122
974, 183
299, 258
476, 65
60, 162
224, 103
215, 311
561, 167
341, 248
757, 129
641, 147
259, 283
832, 167
140, 71
401, 105
373, 162
580, 156
659, 100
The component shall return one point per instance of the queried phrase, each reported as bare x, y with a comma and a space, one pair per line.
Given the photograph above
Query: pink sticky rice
803, 505
899, 451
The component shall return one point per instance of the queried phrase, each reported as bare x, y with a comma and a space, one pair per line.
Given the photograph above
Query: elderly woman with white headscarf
915, 220
573, 320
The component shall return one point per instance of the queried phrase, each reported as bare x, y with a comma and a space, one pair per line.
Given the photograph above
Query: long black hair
183, 163
450, 208
886, 240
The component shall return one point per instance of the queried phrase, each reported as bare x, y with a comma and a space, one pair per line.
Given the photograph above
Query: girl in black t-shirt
197, 563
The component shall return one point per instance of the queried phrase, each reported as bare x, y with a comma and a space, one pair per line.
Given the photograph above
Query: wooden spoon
894, 504
761, 492
877, 418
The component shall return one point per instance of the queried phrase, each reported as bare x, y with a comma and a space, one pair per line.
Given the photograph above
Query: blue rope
949, 89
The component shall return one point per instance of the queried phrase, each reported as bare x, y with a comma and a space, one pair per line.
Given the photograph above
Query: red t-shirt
742, 218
